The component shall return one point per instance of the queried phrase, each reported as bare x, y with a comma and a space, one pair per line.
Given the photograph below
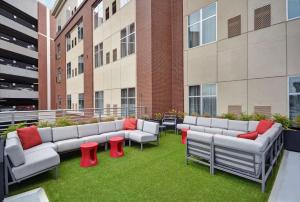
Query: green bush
245, 117
145, 117
64, 121
12, 128
158, 116
229, 116
258, 117
283, 120
45, 124
297, 121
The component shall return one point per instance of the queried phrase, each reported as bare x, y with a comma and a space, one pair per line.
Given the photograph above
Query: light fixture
1, 60
1, 79
15, 16
14, 61
2, 37
33, 26
14, 39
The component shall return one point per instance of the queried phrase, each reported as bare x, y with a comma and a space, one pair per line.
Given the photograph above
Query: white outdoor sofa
22, 164
214, 142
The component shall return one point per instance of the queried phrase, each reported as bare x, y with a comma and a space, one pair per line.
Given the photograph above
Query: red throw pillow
263, 126
130, 124
29, 137
251, 135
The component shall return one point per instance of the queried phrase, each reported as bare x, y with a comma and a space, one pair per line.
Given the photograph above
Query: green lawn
155, 174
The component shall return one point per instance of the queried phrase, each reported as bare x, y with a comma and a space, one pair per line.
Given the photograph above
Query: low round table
116, 147
89, 154
183, 135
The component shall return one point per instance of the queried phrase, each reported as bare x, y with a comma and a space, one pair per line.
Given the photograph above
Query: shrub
45, 124
145, 117
180, 115
245, 117
297, 121
158, 116
64, 121
229, 116
12, 128
283, 120
107, 119
258, 117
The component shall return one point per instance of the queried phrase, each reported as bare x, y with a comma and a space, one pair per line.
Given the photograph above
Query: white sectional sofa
22, 164
214, 142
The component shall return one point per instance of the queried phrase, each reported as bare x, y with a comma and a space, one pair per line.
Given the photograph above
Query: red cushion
263, 126
251, 135
29, 137
130, 124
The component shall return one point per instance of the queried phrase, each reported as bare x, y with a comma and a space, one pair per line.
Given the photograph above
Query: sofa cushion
142, 137
252, 125
127, 133
181, 126
130, 124
119, 124
151, 127
41, 147
15, 152
95, 138
250, 135
203, 121
219, 123
114, 134
238, 125
105, 127
46, 134
140, 124
88, 130
203, 137
69, 145
272, 133
197, 128
233, 133
36, 162
263, 126
213, 130
192, 120
29, 137
64, 133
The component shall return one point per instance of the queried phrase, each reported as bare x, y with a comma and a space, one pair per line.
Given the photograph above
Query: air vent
265, 110
235, 109
234, 26
262, 17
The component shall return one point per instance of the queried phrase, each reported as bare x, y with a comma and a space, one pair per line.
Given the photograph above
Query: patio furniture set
217, 143
21, 164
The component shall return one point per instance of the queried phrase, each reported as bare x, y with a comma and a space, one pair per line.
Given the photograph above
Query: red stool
116, 147
183, 135
89, 154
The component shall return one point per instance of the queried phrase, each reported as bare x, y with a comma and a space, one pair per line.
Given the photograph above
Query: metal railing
87, 115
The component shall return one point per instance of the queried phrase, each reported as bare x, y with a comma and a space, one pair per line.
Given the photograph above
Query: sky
48, 3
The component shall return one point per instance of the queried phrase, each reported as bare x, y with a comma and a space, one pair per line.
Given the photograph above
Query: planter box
292, 140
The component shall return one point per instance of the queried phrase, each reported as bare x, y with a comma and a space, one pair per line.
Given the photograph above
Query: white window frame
201, 96
96, 99
99, 54
127, 36
68, 77
81, 61
79, 99
98, 9
69, 96
201, 22
288, 90
287, 12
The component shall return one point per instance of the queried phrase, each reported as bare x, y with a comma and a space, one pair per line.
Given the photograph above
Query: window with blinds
234, 26
262, 17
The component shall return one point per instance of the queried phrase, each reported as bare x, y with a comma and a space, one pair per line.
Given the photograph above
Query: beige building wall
74, 85
251, 69
111, 78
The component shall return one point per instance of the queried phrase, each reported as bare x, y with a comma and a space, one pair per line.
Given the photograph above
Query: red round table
183, 135
89, 154
116, 147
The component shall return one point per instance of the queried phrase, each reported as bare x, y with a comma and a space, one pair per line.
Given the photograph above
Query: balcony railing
18, 64
87, 115
16, 86
18, 42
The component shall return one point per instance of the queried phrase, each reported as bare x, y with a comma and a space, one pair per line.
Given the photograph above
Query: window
123, 3
80, 64
293, 9
107, 13
69, 101
99, 102
114, 7
98, 15
81, 101
75, 41
58, 51
128, 40
203, 100
72, 43
68, 41
59, 101
72, 72
75, 71
234, 26
99, 55
262, 17
69, 71
58, 25
115, 55
202, 26
58, 76
68, 13
128, 101
80, 31
107, 58
294, 96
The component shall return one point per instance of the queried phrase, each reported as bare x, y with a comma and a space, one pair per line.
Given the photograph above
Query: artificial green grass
158, 173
